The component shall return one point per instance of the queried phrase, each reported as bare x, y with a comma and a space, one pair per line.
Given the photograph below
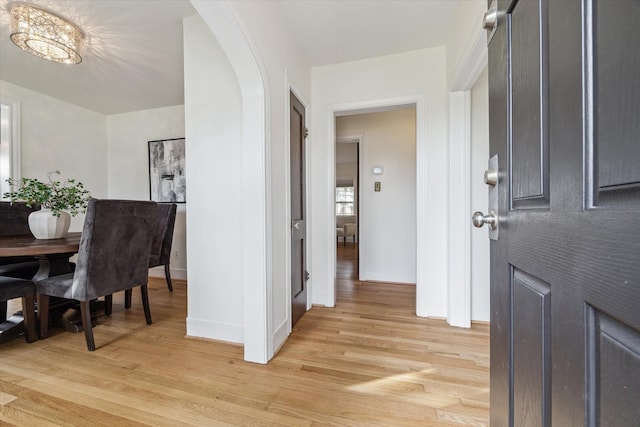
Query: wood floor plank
367, 362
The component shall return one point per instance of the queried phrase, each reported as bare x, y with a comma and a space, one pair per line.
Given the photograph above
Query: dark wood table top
28, 245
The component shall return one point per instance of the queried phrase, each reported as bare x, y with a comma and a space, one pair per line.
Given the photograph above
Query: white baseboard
387, 277
176, 273
215, 330
280, 336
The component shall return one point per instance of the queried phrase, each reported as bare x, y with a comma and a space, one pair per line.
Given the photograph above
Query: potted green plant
58, 201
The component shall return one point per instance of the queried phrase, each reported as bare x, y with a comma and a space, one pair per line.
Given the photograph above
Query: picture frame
167, 180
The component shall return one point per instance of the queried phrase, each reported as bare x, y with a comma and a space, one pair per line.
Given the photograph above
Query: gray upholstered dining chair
10, 288
15, 218
113, 257
163, 238
14, 221
161, 244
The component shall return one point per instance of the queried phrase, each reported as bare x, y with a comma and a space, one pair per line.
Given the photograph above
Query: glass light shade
45, 35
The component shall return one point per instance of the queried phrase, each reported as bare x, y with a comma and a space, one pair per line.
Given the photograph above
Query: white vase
45, 225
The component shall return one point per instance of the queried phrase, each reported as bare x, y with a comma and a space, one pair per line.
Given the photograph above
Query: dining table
53, 256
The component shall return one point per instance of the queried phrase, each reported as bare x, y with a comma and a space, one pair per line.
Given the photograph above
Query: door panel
531, 340
614, 393
615, 71
528, 81
298, 227
565, 275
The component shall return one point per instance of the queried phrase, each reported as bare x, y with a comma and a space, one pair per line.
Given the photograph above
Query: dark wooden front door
298, 224
564, 85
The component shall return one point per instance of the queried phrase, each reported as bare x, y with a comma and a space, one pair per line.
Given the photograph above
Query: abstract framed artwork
167, 181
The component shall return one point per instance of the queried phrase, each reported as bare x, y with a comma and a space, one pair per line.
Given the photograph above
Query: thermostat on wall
378, 170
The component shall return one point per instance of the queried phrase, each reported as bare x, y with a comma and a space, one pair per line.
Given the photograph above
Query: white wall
480, 279
128, 167
284, 66
213, 131
387, 218
418, 74
263, 40
56, 135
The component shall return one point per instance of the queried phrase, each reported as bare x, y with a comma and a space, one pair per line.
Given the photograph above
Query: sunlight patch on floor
406, 383
6, 398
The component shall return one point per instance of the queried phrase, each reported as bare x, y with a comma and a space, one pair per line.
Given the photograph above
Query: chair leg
28, 311
108, 304
85, 313
127, 298
167, 275
43, 315
145, 303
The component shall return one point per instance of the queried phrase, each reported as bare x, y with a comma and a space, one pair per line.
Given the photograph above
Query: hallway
347, 261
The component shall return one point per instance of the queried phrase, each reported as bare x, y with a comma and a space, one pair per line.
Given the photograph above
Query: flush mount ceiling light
45, 35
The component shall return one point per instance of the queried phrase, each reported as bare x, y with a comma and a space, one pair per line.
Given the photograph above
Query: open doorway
347, 207
381, 173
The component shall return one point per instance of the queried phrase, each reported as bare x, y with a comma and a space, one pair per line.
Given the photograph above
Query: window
9, 142
345, 201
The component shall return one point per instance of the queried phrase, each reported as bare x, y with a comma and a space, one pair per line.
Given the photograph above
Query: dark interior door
564, 85
298, 225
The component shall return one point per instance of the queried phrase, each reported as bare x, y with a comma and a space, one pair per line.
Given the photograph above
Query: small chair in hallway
350, 230
339, 234
113, 257
346, 226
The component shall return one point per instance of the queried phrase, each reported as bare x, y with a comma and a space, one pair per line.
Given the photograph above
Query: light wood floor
347, 264
368, 362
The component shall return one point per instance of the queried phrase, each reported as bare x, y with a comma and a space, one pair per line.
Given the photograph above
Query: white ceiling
133, 57
332, 31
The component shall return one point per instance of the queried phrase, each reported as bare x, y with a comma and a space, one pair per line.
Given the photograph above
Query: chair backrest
350, 229
14, 221
14, 218
163, 234
341, 220
114, 248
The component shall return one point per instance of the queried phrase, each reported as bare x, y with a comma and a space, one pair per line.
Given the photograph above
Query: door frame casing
472, 64
459, 290
360, 140
422, 273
